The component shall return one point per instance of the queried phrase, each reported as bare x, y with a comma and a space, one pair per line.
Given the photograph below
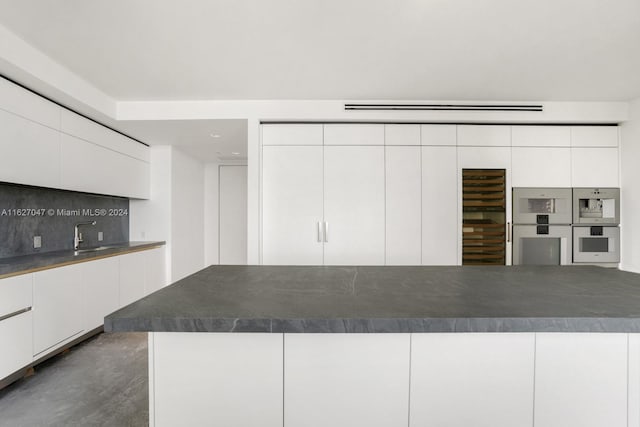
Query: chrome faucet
77, 236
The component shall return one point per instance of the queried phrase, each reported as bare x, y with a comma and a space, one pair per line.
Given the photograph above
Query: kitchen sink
96, 249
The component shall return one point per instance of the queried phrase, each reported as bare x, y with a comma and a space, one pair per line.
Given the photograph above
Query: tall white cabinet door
485, 158
233, 215
132, 277
541, 166
439, 206
595, 167
292, 205
57, 306
472, 380
354, 205
346, 380
155, 274
581, 380
100, 286
403, 194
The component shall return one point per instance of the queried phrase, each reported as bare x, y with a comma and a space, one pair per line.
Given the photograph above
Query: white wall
211, 213
630, 190
187, 215
232, 231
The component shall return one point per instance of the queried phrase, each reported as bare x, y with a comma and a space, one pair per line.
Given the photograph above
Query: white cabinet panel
472, 379
208, 379
402, 134
292, 188
91, 168
30, 152
438, 135
16, 293
439, 206
78, 126
403, 196
581, 380
540, 136
132, 277
101, 291
346, 380
594, 136
292, 134
155, 273
541, 167
594, 167
353, 134
354, 205
484, 135
232, 215
22, 102
16, 336
57, 306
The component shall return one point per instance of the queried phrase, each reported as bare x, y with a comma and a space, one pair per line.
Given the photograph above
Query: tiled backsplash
26, 212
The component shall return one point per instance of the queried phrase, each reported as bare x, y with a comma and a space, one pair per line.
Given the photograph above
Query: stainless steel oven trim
597, 193
562, 232
608, 232
562, 218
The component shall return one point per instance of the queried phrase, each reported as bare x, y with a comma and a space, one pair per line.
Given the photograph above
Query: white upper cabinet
353, 134
403, 195
24, 103
541, 166
94, 169
484, 135
292, 205
439, 206
292, 134
354, 197
438, 135
540, 136
594, 136
594, 167
402, 134
29, 152
78, 126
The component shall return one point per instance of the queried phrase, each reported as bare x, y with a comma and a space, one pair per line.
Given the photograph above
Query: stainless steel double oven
596, 235
542, 226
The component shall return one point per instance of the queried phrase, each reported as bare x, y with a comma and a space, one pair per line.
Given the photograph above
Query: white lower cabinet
57, 307
132, 277
474, 379
155, 273
403, 195
16, 333
346, 380
581, 380
209, 379
101, 292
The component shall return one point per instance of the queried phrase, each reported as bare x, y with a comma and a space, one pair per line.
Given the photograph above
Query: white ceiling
194, 137
571, 50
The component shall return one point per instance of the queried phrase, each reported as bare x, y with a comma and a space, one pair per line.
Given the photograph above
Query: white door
354, 205
101, 290
595, 167
439, 206
292, 205
233, 215
541, 166
403, 222
132, 277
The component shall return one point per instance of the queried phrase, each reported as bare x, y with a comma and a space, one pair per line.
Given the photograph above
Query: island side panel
633, 398
216, 379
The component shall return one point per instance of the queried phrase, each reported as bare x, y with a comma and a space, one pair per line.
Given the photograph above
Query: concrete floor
100, 382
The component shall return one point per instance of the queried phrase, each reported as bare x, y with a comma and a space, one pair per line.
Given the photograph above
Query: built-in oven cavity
594, 244
540, 251
546, 206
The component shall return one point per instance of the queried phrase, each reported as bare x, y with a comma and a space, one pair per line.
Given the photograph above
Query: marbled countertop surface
29, 263
390, 299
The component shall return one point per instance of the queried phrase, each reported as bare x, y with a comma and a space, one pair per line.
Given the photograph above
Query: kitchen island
393, 346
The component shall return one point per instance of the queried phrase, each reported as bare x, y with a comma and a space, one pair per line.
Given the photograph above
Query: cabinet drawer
15, 294
17, 343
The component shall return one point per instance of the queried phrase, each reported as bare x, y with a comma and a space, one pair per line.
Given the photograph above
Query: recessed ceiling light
235, 153
214, 135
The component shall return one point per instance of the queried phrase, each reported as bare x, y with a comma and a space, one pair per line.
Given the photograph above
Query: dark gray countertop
29, 263
390, 299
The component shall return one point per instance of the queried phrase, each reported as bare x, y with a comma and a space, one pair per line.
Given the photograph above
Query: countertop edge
377, 325
88, 256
